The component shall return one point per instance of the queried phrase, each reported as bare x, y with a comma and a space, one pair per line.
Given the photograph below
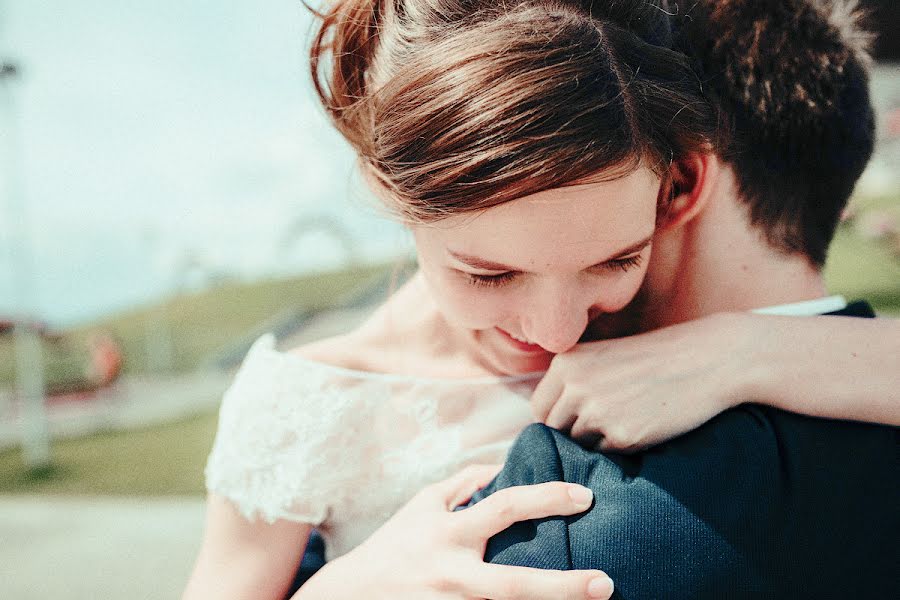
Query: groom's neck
718, 262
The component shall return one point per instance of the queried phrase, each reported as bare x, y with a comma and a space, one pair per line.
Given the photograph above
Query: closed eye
621, 264
618, 264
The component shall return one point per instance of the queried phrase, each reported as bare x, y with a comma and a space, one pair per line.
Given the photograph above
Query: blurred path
130, 403
97, 548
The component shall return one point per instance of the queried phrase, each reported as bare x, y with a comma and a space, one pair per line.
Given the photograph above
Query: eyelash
491, 281
625, 264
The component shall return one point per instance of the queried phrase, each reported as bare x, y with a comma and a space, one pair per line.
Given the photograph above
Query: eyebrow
488, 265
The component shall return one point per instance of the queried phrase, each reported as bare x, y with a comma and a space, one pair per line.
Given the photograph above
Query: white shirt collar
807, 308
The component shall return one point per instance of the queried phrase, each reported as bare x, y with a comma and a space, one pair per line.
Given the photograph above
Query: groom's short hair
791, 80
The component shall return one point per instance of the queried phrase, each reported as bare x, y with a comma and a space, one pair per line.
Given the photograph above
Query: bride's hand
428, 552
630, 393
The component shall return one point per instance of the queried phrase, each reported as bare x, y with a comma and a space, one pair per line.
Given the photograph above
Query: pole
30, 385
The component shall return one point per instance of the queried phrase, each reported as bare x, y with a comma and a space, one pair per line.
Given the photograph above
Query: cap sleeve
279, 450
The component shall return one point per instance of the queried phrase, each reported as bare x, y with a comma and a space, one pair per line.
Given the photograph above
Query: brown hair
791, 78
460, 105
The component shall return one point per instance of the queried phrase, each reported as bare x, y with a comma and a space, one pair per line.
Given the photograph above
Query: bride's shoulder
380, 342
348, 351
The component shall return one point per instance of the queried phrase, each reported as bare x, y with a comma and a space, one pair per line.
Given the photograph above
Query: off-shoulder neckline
266, 343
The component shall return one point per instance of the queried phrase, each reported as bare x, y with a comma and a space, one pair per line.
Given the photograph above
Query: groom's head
791, 81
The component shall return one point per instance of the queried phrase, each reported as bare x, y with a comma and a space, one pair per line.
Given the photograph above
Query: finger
521, 503
611, 446
458, 488
562, 416
586, 433
501, 582
545, 395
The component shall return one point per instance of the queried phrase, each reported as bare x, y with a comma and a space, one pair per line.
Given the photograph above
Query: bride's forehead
578, 214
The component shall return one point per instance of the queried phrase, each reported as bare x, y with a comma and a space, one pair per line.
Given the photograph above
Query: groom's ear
687, 190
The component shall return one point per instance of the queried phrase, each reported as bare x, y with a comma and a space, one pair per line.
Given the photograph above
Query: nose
557, 318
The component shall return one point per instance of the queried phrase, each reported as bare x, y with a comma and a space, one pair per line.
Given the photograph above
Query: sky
141, 136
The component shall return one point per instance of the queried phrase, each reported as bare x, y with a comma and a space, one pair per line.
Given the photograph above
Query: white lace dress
343, 449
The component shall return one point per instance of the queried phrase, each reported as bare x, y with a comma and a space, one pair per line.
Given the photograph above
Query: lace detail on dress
307, 442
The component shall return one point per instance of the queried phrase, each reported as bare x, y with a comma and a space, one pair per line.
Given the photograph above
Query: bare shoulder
349, 351
364, 348
404, 336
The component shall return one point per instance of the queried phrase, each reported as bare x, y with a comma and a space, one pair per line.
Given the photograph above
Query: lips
521, 346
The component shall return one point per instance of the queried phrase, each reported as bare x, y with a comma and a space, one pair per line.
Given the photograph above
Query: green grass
859, 268
158, 461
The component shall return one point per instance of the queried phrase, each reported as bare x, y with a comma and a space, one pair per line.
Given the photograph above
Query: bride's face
522, 280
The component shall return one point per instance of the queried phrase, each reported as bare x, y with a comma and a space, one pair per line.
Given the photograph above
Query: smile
521, 344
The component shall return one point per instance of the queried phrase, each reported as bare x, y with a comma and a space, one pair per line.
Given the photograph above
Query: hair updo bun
460, 105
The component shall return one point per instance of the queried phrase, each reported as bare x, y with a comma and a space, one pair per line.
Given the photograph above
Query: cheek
466, 305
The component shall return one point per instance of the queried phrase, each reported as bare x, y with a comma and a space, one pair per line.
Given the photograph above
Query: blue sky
152, 131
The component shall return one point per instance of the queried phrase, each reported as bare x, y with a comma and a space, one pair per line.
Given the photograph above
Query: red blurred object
106, 360
893, 123
102, 368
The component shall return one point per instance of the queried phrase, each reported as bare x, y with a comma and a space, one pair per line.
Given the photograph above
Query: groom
758, 502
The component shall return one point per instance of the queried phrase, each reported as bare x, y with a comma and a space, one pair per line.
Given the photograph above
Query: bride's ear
687, 189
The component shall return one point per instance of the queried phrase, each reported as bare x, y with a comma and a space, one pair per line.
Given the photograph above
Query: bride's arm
634, 392
240, 559
835, 367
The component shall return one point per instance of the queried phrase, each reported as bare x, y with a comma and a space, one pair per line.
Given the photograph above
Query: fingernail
581, 495
600, 587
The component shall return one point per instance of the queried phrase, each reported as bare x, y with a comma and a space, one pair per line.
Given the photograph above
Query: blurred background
170, 190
